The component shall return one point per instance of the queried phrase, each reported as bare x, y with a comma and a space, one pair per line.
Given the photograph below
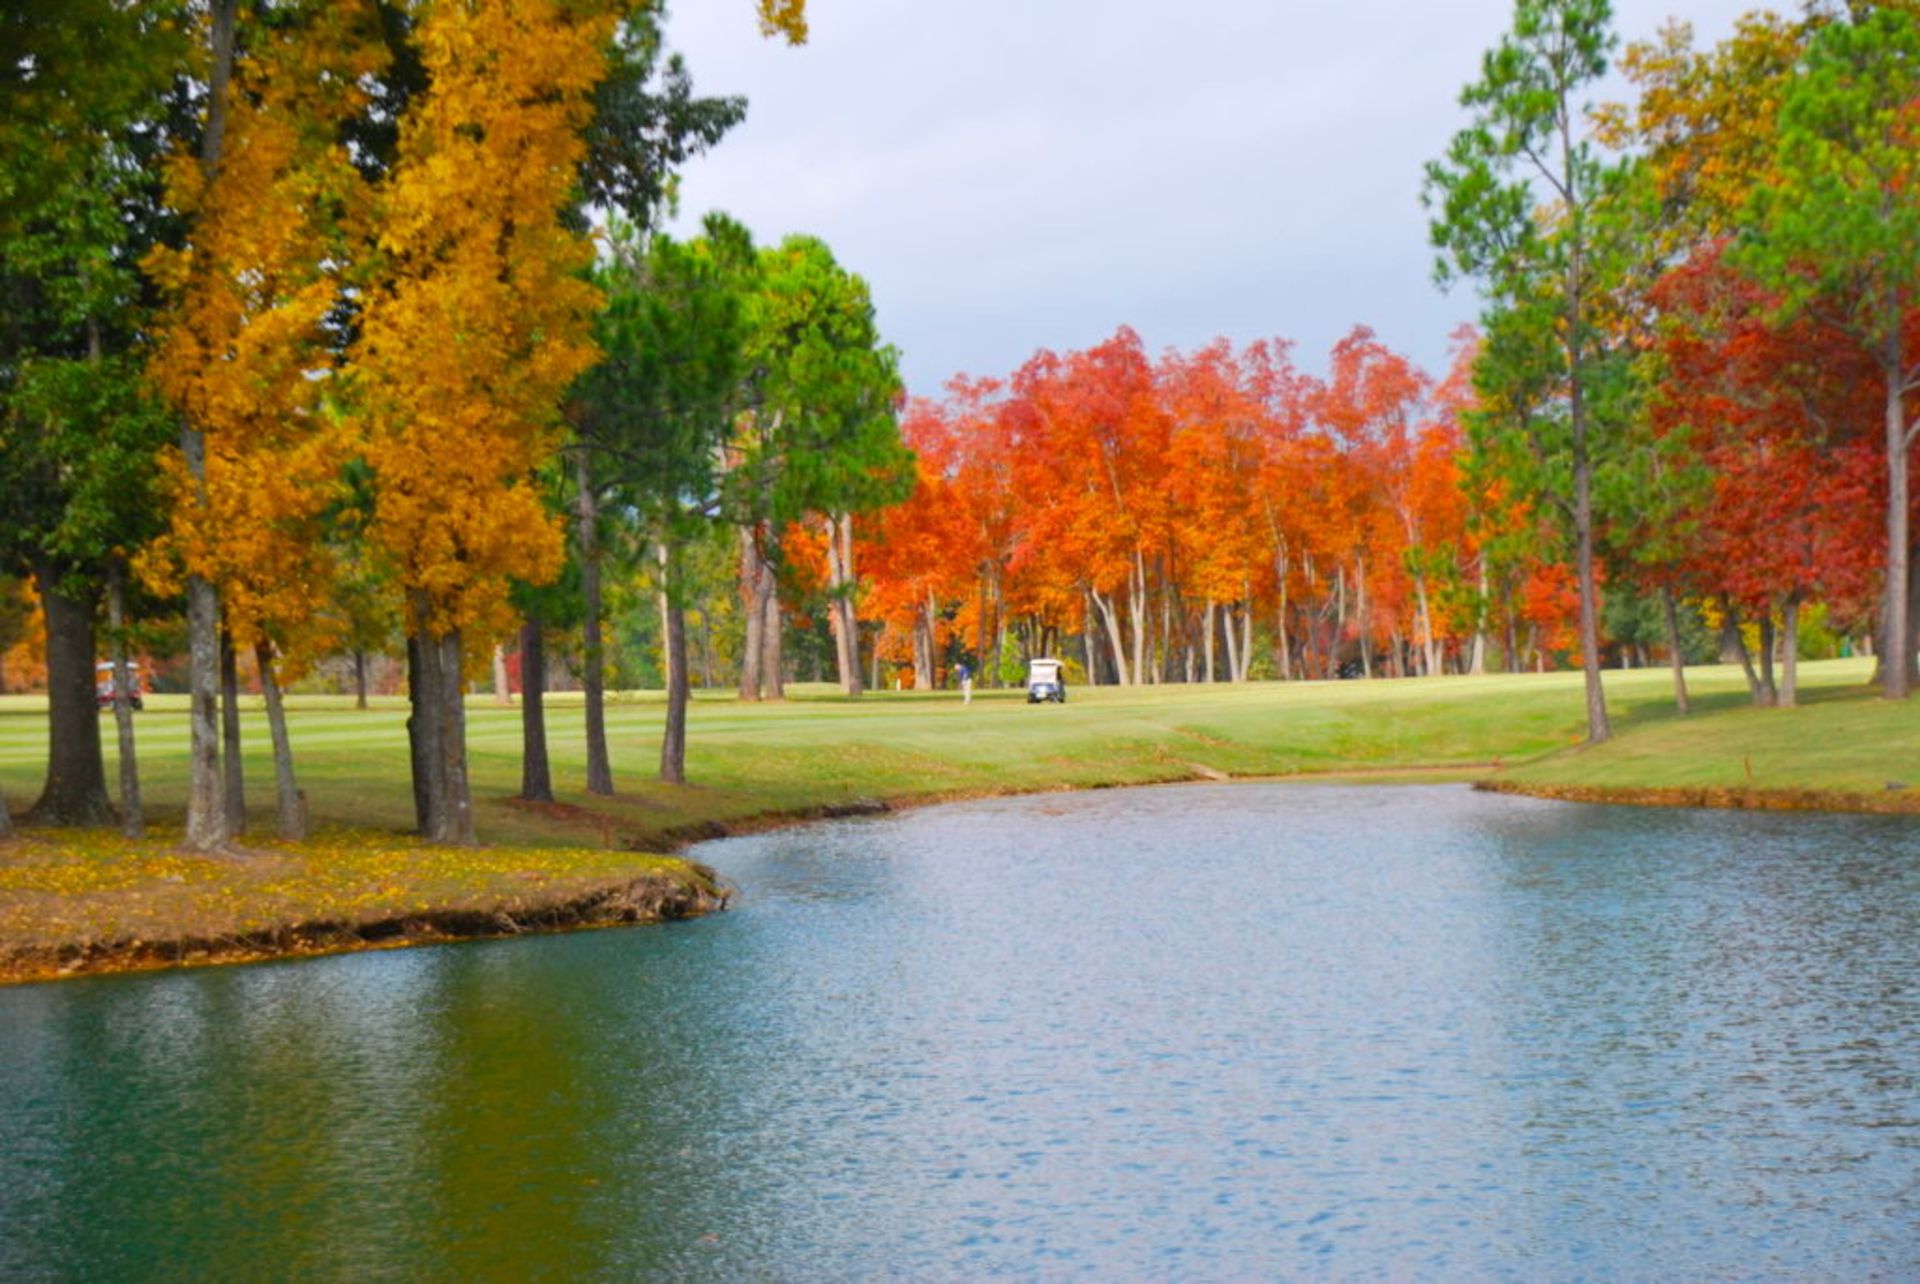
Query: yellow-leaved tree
472, 328
276, 213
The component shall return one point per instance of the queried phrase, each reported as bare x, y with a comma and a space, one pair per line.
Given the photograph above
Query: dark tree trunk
290, 804
234, 790
133, 820
75, 793
359, 678
1769, 694
1733, 649
996, 601
1913, 616
536, 769
6, 821
1672, 608
440, 750
423, 731
673, 743
593, 668
1881, 649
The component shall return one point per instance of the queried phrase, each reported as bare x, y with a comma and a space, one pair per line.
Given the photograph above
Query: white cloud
1012, 175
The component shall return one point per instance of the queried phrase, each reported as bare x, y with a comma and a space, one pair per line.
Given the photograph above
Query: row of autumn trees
1693, 385
1162, 518
305, 333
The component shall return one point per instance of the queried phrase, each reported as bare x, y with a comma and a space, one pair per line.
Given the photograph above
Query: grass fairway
818, 751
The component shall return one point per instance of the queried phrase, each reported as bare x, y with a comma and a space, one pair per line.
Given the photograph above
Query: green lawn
103, 897
818, 749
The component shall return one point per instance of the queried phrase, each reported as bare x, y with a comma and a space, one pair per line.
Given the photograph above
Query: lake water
1236, 1031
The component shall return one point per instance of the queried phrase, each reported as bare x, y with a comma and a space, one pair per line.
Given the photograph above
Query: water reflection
1189, 1032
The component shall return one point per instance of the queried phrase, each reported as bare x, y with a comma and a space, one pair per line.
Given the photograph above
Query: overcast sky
1017, 174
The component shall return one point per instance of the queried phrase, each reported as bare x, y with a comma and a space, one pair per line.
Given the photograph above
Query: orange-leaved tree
471, 331
275, 208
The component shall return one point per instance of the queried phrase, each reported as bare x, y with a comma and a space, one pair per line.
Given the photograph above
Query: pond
1183, 1032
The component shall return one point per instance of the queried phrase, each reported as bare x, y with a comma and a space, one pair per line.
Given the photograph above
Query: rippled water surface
1192, 1032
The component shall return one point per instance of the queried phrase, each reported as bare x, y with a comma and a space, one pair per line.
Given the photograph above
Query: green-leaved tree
1515, 200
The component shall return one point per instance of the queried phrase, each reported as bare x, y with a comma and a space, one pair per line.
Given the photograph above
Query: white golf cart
1045, 681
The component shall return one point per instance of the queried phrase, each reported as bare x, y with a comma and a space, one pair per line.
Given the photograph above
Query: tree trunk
923, 647
1790, 651
423, 725
1209, 628
840, 614
1477, 661
234, 790
1429, 645
427, 726
208, 828
706, 651
441, 791
75, 793
291, 805
1768, 695
536, 767
997, 601
1282, 640
359, 678
6, 821
1896, 665
1122, 676
1088, 632
1599, 727
593, 666
772, 664
758, 678
1362, 623
1672, 609
456, 818
755, 612
1733, 649
1137, 613
673, 620
133, 821
1510, 642
1913, 620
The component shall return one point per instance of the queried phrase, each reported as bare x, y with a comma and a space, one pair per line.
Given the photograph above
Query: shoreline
1893, 802
680, 889
688, 889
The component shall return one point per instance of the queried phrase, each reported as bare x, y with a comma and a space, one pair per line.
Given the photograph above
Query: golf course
94, 900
